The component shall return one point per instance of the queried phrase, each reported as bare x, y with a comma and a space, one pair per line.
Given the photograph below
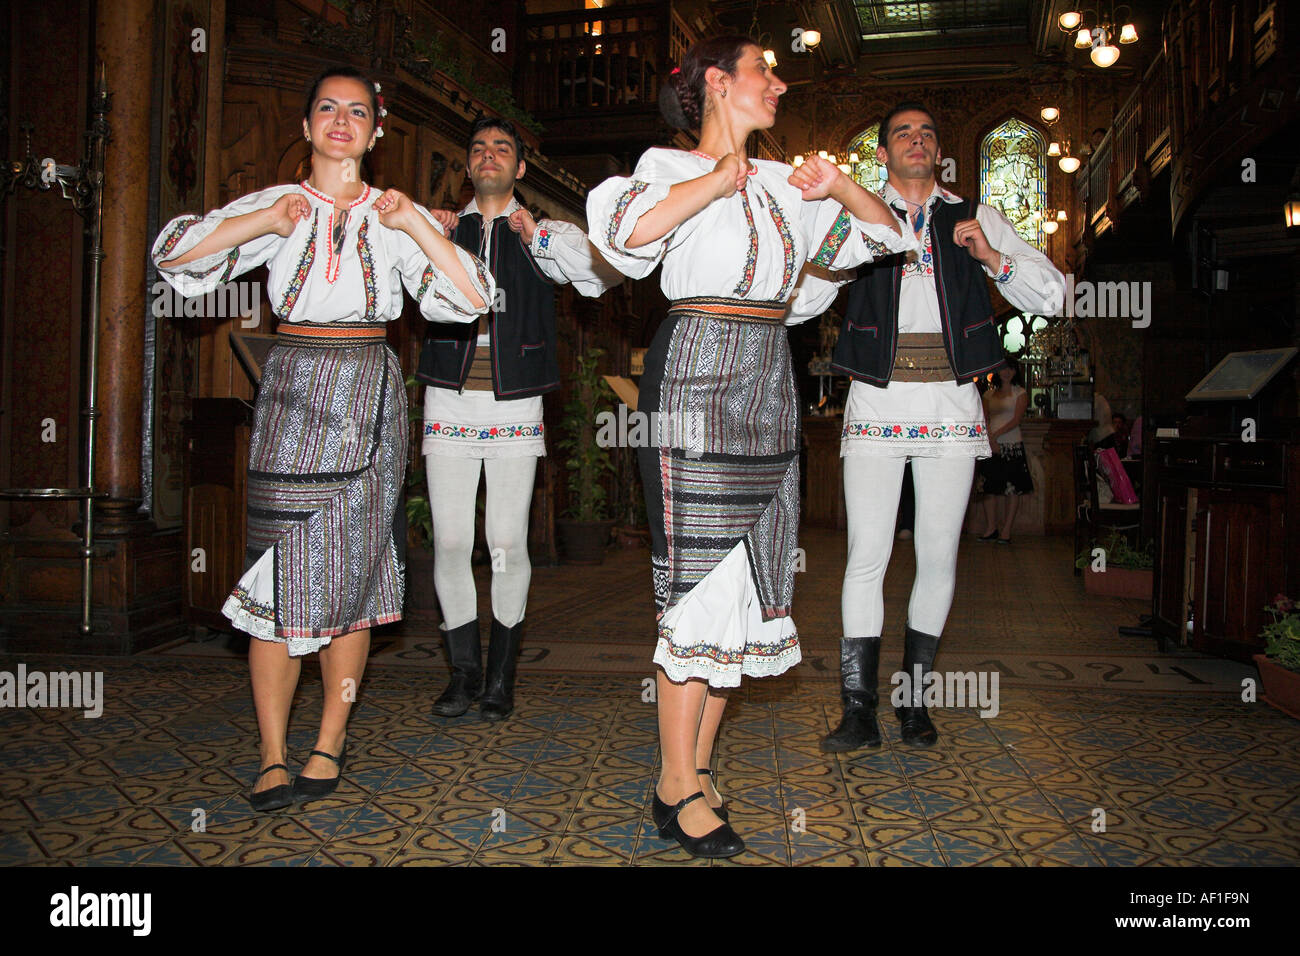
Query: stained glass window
868, 172
1013, 177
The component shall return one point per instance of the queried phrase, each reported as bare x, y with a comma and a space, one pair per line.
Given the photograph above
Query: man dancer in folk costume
483, 411
917, 333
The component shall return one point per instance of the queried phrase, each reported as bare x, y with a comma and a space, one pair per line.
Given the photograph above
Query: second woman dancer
722, 488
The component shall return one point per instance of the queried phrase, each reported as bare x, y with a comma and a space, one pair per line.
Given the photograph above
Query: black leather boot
503, 656
918, 649
859, 663
465, 651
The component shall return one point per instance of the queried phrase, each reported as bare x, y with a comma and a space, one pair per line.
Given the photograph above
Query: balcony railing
603, 61
1139, 138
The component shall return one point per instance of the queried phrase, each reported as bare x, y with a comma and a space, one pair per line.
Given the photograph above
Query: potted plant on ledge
584, 531
1279, 665
1123, 571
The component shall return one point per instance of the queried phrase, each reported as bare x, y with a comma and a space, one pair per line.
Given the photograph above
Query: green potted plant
1279, 665
1128, 573
583, 531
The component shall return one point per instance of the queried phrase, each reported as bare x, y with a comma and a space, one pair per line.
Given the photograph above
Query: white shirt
750, 245
933, 418
308, 281
477, 424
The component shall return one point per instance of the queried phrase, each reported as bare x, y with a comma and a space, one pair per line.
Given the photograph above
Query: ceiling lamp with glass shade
1098, 29
811, 38
1049, 115
1068, 163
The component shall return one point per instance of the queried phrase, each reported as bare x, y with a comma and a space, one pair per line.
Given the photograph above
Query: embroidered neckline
330, 199
753, 170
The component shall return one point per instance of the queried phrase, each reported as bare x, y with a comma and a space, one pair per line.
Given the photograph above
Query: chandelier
1106, 28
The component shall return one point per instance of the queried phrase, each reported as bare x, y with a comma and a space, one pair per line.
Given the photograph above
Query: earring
724, 92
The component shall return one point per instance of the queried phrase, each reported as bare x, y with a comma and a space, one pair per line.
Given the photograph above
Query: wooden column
124, 43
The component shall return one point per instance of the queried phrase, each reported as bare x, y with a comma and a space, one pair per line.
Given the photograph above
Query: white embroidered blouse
769, 220
314, 278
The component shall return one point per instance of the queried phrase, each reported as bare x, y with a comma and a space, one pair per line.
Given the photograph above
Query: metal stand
84, 186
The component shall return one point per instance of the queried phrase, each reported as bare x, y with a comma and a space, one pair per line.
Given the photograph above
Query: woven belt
763, 312
921, 357
341, 334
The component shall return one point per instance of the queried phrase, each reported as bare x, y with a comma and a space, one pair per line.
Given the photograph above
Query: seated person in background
1121, 426
1103, 433
1135, 438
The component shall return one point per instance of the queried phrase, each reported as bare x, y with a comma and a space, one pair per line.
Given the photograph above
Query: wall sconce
1053, 148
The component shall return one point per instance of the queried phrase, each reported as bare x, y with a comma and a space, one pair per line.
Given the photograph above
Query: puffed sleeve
203, 275
1025, 276
614, 207
815, 291
438, 297
839, 240
564, 254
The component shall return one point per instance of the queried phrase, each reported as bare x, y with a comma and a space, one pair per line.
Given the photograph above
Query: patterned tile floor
1062, 776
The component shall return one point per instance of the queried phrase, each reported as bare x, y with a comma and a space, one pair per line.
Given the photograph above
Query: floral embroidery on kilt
482, 432
932, 430
787, 245
299, 274
724, 657
367, 269
620, 210
177, 233
751, 258
835, 236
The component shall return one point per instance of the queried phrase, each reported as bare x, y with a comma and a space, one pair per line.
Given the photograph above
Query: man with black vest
918, 333
483, 411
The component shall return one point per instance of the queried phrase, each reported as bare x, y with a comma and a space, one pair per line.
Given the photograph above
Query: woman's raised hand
394, 209
816, 177
287, 212
731, 175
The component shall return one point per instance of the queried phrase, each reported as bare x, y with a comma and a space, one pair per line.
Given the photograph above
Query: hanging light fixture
1068, 163
1100, 36
1104, 53
1061, 216
1049, 114
1053, 148
1050, 226
811, 38
1292, 211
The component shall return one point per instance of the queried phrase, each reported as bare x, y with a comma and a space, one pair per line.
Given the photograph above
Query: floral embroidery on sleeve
300, 273
835, 237
176, 234
620, 209
1006, 270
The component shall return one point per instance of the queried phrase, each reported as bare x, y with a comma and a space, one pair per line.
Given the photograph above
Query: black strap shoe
721, 810
313, 788
859, 666
465, 651
717, 844
277, 798
499, 685
916, 729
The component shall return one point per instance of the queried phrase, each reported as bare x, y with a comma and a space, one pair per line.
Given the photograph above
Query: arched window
869, 173
1013, 177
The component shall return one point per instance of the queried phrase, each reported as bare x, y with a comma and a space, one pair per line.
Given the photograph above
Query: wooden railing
1139, 137
603, 60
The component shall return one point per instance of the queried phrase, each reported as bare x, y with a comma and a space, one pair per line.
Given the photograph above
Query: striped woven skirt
722, 489
326, 533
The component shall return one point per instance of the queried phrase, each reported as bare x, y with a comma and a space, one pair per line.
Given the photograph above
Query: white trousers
453, 492
871, 489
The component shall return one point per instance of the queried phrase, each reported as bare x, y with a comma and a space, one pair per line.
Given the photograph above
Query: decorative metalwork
83, 186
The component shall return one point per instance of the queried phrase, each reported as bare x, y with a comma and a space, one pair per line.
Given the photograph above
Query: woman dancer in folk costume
328, 447
722, 487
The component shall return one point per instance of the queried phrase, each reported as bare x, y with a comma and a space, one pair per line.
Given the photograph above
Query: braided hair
683, 96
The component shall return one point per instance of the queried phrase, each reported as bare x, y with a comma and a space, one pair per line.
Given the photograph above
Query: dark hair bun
671, 105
